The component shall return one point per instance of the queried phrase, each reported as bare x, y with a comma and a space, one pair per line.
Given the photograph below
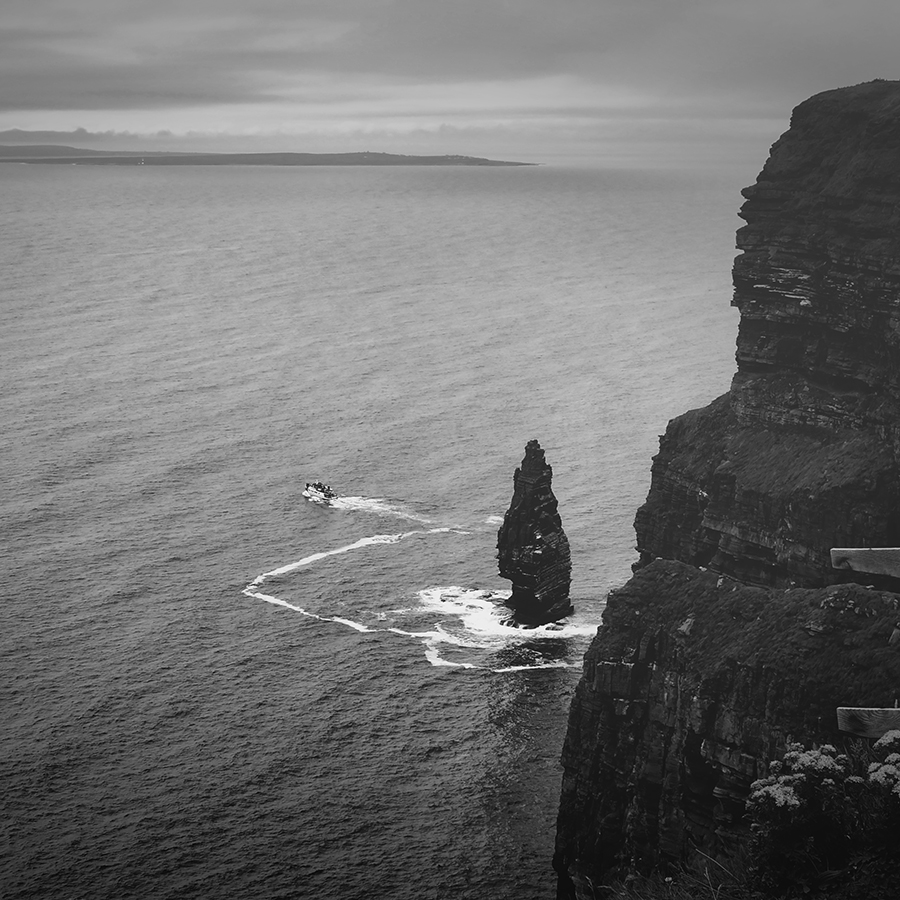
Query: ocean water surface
214, 687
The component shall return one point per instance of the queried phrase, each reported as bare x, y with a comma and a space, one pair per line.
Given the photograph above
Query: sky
606, 82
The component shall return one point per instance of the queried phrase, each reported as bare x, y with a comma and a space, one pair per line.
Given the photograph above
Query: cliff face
734, 637
801, 454
693, 684
532, 547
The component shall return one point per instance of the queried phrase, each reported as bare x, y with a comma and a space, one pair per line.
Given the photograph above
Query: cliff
801, 454
692, 685
532, 548
735, 636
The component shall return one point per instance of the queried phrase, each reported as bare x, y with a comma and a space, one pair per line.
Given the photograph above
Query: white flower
780, 794
887, 775
813, 760
888, 739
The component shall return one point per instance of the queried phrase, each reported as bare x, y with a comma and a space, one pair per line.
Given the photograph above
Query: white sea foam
550, 664
250, 590
315, 557
470, 619
494, 520
351, 624
433, 655
477, 620
378, 506
481, 614
277, 601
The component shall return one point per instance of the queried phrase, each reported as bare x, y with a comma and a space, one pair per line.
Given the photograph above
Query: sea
212, 686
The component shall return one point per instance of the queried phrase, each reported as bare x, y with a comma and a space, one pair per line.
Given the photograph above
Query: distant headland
63, 155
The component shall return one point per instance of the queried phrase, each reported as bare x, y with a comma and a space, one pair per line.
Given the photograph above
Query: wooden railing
874, 560
869, 722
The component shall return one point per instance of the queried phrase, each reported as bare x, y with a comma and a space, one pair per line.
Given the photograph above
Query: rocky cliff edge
801, 454
734, 637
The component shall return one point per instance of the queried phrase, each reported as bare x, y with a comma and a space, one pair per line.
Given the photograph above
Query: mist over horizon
691, 153
636, 83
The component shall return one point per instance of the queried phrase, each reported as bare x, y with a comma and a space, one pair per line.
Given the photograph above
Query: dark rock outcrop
734, 635
802, 453
532, 547
692, 686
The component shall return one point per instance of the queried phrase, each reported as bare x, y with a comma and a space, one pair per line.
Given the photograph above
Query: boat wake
253, 589
376, 505
459, 627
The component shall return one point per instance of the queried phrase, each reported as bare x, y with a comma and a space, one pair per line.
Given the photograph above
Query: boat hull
318, 495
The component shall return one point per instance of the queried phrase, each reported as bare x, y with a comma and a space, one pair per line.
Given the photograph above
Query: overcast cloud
697, 80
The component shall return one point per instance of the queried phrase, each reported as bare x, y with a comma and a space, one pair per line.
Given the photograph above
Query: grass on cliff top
833, 643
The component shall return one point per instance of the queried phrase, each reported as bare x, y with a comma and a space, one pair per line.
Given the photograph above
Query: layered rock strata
801, 454
734, 635
692, 686
532, 547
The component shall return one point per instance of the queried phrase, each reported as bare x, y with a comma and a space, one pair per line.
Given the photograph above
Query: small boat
317, 490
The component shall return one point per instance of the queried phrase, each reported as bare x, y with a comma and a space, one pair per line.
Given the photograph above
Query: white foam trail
268, 598
351, 624
481, 617
377, 505
279, 602
432, 654
558, 664
250, 590
315, 557
494, 520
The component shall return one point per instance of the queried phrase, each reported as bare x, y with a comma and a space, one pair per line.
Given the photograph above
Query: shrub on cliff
819, 810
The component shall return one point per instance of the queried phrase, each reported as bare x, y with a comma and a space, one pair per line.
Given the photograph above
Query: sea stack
532, 547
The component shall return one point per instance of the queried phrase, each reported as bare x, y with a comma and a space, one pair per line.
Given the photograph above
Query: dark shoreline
60, 155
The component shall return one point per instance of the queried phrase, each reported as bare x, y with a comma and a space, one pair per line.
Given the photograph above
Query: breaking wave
474, 623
